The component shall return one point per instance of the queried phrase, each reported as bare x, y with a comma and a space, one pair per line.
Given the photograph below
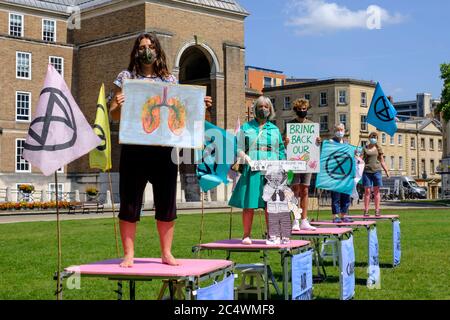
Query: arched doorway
195, 67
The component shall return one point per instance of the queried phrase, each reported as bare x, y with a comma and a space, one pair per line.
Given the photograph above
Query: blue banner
347, 266
216, 158
382, 113
302, 279
373, 281
223, 290
396, 239
337, 167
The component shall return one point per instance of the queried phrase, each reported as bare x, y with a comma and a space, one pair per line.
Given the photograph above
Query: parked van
409, 185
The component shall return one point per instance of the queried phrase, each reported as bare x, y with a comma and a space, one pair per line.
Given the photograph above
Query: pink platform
322, 231
256, 245
373, 217
364, 223
151, 267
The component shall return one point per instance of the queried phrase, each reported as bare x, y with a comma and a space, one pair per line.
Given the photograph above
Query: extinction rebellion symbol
101, 134
40, 127
382, 110
339, 165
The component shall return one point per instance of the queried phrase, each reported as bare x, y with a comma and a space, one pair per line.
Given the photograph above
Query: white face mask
373, 140
339, 134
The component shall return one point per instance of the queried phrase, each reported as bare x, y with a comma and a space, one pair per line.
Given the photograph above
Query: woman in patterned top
141, 164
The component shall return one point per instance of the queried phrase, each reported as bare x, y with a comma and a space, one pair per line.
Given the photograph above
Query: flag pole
231, 222
58, 236
114, 213
201, 223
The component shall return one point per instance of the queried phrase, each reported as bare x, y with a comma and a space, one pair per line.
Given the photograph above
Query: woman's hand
208, 102
318, 141
120, 99
286, 141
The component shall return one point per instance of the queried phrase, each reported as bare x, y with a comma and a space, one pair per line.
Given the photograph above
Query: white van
408, 184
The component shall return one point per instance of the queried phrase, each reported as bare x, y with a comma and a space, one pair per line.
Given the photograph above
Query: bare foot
127, 262
169, 259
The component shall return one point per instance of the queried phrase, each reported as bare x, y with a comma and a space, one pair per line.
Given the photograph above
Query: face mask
262, 113
339, 134
301, 114
147, 56
373, 140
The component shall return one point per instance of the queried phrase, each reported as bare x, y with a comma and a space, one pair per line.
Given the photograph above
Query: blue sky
329, 38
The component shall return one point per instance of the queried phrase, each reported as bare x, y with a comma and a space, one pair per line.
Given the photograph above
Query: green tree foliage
444, 106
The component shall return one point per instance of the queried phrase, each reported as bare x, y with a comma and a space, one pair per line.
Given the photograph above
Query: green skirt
248, 192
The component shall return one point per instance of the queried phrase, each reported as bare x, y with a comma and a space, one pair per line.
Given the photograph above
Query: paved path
14, 218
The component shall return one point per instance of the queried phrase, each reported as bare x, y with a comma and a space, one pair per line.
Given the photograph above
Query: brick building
203, 40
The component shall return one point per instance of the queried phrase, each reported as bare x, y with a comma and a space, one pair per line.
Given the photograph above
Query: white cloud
319, 17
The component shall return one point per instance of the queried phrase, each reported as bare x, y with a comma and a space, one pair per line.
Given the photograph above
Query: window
392, 163
267, 82
343, 119
440, 145
323, 99
431, 144
273, 103
23, 65
383, 138
400, 139
323, 120
287, 103
432, 168
308, 96
363, 99
52, 190
400, 163
392, 140
342, 97
57, 63
422, 143
413, 166
364, 126
15, 25
423, 165
413, 143
49, 30
23, 107
363, 143
21, 164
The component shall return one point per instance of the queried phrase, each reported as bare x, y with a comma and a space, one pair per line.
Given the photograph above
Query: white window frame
54, 30
22, 30
413, 166
400, 139
29, 107
320, 123
410, 143
440, 145
392, 163
365, 122
30, 65
320, 99
15, 159
383, 138
284, 103
264, 82
345, 122
51, 189
62, 63
392, 140
431, 144
339, 97
309, 94
432, 166
363, 104
400, 163
424, 147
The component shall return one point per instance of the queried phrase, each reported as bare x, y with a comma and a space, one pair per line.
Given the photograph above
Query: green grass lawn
28, 256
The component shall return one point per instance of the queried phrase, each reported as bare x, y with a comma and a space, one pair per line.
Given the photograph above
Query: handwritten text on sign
302, 144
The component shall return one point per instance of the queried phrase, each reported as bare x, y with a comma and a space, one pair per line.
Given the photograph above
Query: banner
302, 144
223, 290
382, 113
59, 132
374, 279
347, 266
100, 157
396, 239
162, 114
337, 167
302, 279
216, 158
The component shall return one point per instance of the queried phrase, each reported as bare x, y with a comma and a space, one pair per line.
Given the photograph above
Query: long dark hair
159, 66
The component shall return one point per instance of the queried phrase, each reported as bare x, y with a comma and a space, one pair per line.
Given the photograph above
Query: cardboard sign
302, 144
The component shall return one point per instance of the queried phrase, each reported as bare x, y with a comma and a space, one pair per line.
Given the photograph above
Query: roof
263, 69
60, 6
321, 82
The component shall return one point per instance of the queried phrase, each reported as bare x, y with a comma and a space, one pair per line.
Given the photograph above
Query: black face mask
146, 56
301, 114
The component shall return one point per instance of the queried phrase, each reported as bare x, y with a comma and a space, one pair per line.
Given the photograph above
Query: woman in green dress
258, 139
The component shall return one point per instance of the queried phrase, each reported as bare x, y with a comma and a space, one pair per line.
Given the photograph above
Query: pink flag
59, 132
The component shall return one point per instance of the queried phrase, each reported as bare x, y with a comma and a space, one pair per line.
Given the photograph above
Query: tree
444, 106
